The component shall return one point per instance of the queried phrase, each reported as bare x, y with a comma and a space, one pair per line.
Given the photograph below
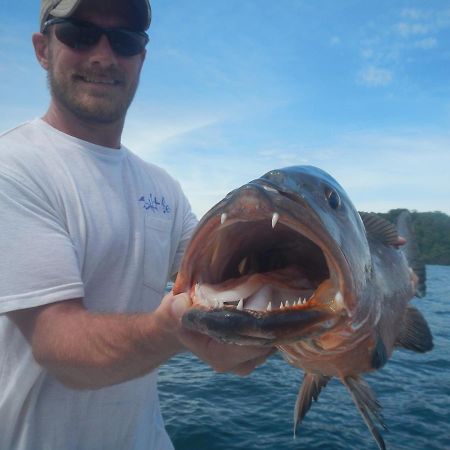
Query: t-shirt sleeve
38, 260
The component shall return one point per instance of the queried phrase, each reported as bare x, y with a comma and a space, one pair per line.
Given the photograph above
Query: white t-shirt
81, 220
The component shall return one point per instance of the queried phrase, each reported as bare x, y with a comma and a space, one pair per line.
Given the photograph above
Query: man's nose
102, 53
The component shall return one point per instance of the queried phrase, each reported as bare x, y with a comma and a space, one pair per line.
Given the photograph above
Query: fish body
286, 260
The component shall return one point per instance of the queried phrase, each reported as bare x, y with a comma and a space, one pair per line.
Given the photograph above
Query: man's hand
238, 359
88, 350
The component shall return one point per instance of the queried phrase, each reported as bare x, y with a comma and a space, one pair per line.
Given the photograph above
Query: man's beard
108, 108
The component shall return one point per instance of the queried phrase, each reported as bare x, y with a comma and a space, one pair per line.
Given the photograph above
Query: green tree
432, 230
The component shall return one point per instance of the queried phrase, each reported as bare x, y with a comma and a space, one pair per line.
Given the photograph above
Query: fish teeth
339, 299
216, 303
240, 305
287, 305
275, 218
198, 294
270, 189
281, 305
242, 265
223, 218
269, 306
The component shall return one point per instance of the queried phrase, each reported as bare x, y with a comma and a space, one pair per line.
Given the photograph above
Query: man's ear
40, 44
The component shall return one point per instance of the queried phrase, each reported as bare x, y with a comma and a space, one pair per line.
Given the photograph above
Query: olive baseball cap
65, 8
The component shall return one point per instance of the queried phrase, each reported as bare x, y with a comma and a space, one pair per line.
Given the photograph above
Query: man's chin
100, 113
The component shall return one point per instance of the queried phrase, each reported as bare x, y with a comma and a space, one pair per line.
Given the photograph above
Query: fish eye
333, 198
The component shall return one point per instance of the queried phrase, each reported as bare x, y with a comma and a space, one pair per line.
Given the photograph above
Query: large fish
287, 261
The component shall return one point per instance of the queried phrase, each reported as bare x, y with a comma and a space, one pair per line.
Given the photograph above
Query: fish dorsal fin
367, 405
380, 229
414, 334
309, 390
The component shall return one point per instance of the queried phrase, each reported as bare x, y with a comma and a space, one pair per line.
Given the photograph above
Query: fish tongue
260, 299
232, 290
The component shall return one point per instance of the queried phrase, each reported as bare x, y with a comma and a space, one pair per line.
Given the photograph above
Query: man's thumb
180, 305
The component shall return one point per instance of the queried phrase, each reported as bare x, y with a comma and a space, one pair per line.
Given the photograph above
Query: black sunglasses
81, 35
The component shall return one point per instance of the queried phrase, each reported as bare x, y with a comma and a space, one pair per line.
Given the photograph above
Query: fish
287, 261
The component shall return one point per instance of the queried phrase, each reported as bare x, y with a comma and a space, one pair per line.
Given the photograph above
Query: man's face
95, 84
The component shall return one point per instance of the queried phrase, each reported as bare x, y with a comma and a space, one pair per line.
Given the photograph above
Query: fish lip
254, 204
253, 327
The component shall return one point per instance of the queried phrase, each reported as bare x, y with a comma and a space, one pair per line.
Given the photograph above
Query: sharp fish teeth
270, 189
223, 218
339, 299
287, 304
275, 218
281, 305
243, 265
240, 305
269, 306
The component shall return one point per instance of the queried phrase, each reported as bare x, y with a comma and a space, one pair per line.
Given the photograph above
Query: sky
232, 89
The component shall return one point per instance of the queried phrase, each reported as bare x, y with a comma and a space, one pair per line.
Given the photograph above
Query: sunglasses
81, 35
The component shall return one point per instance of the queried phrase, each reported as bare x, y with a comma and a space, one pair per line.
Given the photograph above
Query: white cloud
335, 40
380, 170
149, 138
388, 48
375, 76
406, 29
426, 44
412, 13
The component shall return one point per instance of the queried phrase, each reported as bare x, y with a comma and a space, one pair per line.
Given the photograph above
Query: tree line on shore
432, 230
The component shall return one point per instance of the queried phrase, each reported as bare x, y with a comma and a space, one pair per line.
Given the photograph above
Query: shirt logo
155, 203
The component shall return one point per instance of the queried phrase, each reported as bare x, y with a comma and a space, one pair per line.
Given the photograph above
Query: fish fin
367, 405
411, 250
379, 355
414, 334
380, 229
309, 390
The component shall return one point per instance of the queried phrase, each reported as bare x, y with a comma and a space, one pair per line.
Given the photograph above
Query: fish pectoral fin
367, 405
309, 390
414, 334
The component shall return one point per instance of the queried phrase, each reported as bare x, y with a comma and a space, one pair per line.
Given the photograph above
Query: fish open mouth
259, 275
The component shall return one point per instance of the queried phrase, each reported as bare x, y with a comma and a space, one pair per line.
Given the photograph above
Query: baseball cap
65, 8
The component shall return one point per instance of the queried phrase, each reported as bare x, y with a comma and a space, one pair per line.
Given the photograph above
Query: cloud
375, 76
411, 29
149, 138
412, 13
391, 49
335, 40
380, 169
426, 44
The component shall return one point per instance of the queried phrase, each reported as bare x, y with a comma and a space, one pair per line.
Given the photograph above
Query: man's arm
87, 350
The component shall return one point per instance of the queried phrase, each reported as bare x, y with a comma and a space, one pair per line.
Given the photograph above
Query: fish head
279, 259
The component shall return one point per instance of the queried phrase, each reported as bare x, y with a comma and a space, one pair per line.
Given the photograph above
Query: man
89, 236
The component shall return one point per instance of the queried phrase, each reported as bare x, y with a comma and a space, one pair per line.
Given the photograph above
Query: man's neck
107, 135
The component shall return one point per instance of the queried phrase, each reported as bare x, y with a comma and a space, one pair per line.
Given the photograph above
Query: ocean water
204, 410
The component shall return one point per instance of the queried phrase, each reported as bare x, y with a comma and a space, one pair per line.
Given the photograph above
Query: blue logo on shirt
155, 203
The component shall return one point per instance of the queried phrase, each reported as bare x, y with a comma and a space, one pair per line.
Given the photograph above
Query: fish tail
367, 405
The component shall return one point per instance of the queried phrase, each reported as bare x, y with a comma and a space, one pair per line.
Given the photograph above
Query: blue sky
232, 89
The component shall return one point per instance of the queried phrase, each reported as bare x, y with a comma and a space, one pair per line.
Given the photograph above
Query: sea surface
204, 410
